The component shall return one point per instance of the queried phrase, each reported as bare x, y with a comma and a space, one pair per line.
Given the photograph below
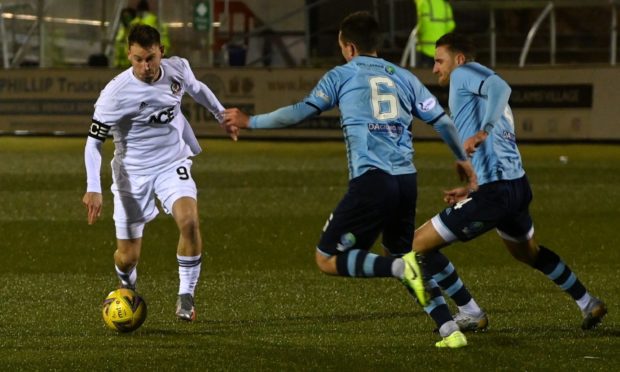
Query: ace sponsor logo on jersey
163, 117
175, 87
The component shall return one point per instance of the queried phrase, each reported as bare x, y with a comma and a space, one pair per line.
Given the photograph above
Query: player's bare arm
93, 202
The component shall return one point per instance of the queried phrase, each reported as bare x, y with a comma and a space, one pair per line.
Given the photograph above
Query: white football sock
398, 268
471, 308
584, 301
189, 272
448, 328
127, 279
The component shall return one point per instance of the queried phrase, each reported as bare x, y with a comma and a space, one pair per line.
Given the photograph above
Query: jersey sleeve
92, 161
324, 96
107, 114
425, 105
201, 93
284, 117
448, 133
497, 92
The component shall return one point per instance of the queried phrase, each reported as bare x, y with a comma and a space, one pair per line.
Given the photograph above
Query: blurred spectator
146, 17
435, 19
120, 42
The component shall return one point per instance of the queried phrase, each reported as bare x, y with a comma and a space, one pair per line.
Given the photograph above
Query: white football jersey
149, 129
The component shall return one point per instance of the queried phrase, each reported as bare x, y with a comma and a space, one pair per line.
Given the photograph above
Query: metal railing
549, 7
4, 38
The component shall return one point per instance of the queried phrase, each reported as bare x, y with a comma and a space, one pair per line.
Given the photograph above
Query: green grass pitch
262, 304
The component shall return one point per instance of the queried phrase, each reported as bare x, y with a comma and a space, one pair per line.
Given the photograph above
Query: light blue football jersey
473, 92
377, 102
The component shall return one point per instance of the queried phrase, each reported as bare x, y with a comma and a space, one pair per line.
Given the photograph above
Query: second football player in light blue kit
377, 102
479, 104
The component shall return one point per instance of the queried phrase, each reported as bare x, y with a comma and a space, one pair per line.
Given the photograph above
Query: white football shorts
134, 196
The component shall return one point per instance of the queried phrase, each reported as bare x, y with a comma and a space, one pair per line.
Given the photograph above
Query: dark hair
458, 43
143, 35
361, 29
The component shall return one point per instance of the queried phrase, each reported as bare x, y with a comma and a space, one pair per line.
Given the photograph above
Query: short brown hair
361, 29
458, 43
143, 35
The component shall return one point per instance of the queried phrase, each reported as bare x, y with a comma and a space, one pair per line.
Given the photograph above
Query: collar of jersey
161, 76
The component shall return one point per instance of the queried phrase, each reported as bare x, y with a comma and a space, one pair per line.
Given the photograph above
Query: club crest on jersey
175, 87
347, 241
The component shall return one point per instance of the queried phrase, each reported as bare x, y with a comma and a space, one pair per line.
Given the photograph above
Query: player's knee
188, 225
320, 263
326, 264
525, 252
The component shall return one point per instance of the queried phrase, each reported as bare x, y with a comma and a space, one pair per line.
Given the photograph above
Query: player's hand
232, 131
455, 195
233, 117
471, 144
93, 202
466, 173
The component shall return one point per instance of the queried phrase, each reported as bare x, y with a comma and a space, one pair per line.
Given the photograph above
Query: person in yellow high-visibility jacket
146, 17
120, 41
435, 19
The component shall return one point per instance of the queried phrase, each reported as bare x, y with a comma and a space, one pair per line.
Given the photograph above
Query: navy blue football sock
436, 266
437, 307
555, 269
361, 263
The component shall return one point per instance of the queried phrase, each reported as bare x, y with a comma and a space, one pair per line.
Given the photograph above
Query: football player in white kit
141, 108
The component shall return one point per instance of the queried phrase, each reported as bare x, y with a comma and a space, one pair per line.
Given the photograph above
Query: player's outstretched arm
280, 118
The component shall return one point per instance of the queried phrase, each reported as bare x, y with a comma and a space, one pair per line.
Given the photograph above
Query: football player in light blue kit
479, 104
377, 102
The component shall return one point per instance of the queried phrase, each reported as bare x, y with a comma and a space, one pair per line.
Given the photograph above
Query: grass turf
262, 304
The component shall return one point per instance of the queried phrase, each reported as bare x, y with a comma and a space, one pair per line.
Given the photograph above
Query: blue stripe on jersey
433, 121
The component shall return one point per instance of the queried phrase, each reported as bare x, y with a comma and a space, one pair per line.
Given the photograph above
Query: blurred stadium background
65, 33
559, 56
263, 304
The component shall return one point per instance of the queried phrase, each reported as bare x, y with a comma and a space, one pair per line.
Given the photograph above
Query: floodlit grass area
262, 303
